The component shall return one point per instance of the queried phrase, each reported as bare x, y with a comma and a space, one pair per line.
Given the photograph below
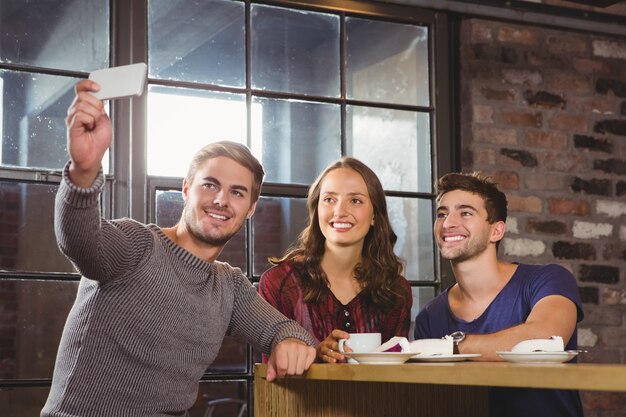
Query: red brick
482, 73
506, 180
612, 296
500, 95
530, 204
482, 114
598, 105
480, 32
595, 315
589, 66
609, 49
561, 162
521, 118
485, 157
522, 77
571, 83
567, 43
569, 123
615, 251
495, 136
538, 58
541, 181
560, 206
521, 36
548, 140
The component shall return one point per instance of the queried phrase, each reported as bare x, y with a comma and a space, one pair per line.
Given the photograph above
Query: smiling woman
342, 275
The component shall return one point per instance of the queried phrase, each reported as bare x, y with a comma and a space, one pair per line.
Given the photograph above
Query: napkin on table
553, 344
425, 347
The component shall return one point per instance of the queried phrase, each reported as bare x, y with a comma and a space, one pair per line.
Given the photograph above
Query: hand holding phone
120, 82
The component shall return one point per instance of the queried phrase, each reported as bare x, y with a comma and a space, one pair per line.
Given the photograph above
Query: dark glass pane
295, 51
298, 139
276, 224
33, 314
32, 128
387, 62
377, 136
197, 41
169, 207
412, 221
232, 358
221, 399
27, 240
181, 121
22, 401
64, 34
421, 295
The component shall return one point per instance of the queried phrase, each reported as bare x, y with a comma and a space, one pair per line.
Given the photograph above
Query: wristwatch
457, 338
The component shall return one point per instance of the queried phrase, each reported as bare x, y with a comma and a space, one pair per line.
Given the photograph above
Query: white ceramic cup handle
341, 343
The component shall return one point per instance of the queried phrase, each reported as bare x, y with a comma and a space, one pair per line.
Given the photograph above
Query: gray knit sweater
149, 317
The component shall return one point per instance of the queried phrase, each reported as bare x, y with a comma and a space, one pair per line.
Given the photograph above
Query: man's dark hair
479, 184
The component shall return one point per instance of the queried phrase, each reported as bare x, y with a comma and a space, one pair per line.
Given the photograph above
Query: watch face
458, 337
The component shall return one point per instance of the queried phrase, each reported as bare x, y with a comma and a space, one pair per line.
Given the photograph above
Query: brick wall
544, 112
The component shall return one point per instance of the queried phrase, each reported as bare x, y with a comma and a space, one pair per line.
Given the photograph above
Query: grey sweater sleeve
257, 322
99, 249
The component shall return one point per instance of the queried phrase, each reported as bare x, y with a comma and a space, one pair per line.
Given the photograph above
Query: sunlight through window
179, 125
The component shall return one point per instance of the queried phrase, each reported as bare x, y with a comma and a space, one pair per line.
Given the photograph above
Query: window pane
33, 108
412, 221
377, 136
22, 401
421, 295
295, 51
298, 139
221, 399
198, 41
276, 224
387, 62
64, 34
27, 240
33, 315
168, 209
181, 121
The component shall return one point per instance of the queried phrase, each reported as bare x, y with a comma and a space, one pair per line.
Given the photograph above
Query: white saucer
539, 357
444, 358
379, 358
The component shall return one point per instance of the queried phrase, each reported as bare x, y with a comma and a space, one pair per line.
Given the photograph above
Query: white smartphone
120, 82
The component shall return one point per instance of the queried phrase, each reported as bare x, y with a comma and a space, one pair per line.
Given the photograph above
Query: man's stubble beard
194, 228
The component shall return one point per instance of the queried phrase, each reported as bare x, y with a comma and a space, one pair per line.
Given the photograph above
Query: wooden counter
417, 389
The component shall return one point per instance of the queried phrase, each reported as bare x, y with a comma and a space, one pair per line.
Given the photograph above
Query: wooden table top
598, 377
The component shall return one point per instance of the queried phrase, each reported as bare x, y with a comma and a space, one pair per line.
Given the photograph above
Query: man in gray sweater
153, 305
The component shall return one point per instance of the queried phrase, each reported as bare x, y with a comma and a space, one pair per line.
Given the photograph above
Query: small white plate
444, 358
379, 358
539, 357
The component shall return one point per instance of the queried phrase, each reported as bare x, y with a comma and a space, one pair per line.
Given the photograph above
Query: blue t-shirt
528, 285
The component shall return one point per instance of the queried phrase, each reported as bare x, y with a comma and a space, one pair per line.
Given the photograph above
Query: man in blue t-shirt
494, 304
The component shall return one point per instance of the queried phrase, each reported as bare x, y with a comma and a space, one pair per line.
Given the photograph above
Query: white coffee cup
361, 342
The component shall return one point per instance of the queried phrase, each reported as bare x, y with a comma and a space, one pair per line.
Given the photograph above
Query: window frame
130, 192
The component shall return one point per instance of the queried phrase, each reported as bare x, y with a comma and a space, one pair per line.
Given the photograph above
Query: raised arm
88, 134
99, 249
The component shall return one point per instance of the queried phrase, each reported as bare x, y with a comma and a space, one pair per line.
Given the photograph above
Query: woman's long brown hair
380, 268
